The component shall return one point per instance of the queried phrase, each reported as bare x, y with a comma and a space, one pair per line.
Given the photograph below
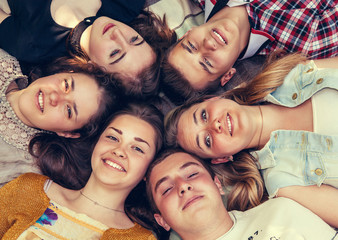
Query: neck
104, 195
84, 39
276, 117
12, 96
208, 230
109, 206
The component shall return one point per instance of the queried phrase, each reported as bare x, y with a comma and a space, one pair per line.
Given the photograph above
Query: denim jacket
300, 157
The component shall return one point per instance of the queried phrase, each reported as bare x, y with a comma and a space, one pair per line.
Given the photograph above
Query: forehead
135, 126
171, 165
188, 65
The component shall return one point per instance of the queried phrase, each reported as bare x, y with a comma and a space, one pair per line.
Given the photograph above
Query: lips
40, 101
107, 27
229, 124
219, 37
114, 165
191, 201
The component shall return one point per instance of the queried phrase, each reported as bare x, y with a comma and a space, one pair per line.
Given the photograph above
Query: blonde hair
242, 175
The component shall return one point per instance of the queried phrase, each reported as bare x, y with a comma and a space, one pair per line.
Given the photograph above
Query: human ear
227, 76
160, 220
219, 185
68, 134
222, 160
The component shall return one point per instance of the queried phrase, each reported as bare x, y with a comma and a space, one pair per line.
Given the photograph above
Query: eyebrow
141, 140
136, 138
187, 164
117, 130
74, 105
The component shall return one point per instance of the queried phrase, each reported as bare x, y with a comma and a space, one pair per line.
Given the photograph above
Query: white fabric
278, 219
325, 121
14, 134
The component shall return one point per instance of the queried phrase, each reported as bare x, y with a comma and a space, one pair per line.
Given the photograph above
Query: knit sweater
23, 201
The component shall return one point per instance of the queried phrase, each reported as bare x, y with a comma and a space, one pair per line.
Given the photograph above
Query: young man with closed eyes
186, 196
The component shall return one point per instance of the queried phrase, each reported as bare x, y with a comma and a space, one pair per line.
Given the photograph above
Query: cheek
220, 145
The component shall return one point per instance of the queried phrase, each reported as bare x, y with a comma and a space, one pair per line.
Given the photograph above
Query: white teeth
41, 101
219, 36
229, 124
114, 165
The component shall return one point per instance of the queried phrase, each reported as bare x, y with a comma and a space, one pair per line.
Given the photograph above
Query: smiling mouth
191, 201
229, 124
40, 98
107, 27
114, 165
219, 36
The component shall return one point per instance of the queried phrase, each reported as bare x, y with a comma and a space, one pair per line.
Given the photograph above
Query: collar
257, 41
73, 41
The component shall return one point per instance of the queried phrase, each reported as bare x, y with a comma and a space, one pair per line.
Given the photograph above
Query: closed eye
193, 174
166, 191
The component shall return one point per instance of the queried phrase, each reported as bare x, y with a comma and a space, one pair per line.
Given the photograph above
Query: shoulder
8, 64
28, 182
28, 186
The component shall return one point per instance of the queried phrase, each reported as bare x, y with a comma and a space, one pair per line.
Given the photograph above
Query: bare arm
322, 200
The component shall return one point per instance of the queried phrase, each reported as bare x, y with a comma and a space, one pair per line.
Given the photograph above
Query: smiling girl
283, 123
105, 207
36, 32
69, 101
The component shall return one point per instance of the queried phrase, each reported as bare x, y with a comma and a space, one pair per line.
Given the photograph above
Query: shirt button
318, 171
294, 96
310, 70
319, 81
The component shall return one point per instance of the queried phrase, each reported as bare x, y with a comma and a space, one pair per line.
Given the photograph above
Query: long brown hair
242, 175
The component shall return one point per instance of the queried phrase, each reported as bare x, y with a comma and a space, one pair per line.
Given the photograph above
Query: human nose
209, 44
118, 37
55, 98
216, 126
119, 152
183, 187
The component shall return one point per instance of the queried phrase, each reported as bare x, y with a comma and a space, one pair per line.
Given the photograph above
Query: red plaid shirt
309, 26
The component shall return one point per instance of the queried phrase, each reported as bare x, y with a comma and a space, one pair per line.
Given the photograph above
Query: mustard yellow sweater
23, 201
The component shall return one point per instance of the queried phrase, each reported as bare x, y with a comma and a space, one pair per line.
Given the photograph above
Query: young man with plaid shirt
238, 29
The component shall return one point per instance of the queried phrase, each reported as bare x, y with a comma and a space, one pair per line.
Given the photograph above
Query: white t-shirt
278, 219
